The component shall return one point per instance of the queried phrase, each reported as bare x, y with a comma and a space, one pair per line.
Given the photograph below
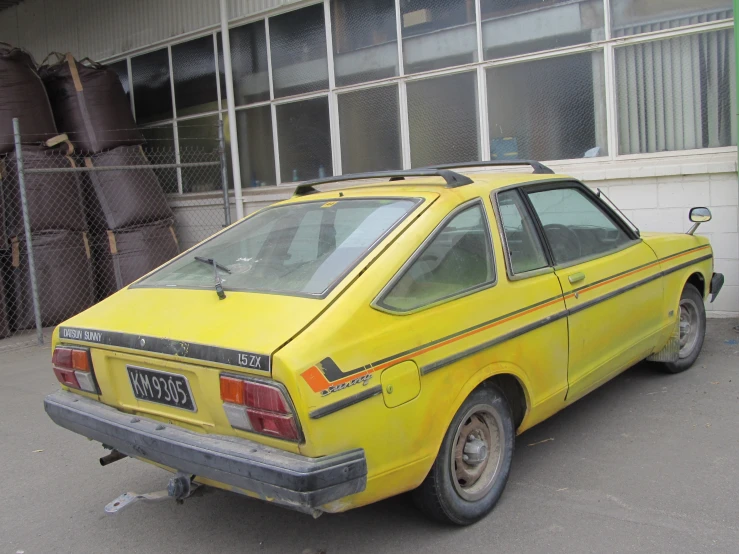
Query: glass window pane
121, 69
370, 130
442, 115
365, 40
305, 140
512, 27
151, 88
676, 94
199, 143
574, 226
438, 33
553, 109
248, 63
194, 72
298, 48
159, 149
631, 17
458, 259
256, 147
525, 251
300, 248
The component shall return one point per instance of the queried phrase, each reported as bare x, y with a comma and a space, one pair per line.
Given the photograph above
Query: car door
611, 281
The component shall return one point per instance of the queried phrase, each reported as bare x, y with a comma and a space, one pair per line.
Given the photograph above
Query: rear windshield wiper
216, 267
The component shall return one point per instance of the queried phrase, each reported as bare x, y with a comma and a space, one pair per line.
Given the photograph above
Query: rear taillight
73, 368
259, 407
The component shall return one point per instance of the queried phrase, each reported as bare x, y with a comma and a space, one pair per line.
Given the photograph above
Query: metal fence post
224, 172
27, 229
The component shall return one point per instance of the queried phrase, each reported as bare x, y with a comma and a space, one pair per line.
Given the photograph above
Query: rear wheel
473, 463
692, 329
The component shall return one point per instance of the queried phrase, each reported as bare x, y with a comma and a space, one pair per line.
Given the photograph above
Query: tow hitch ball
180, 486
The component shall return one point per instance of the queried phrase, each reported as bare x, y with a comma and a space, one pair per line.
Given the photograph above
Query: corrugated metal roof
102, 29
5, 4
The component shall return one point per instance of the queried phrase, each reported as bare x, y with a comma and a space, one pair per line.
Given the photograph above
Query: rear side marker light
258, 407
73, 368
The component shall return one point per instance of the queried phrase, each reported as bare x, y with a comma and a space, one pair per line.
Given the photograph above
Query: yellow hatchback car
349, 345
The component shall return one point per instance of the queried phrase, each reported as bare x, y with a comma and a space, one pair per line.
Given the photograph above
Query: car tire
692, 329
472, 467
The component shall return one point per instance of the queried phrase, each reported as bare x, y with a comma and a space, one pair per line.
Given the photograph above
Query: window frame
606, 44
549, 268
379, 302
538, 186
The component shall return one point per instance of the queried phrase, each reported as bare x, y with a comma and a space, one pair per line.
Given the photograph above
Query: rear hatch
188, 333
174, 324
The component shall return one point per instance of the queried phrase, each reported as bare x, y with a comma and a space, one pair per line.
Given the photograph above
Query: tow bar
180, 487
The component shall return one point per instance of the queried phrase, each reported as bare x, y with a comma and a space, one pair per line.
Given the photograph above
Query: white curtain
679, 93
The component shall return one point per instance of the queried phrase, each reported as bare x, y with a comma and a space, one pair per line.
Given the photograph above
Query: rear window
304, 248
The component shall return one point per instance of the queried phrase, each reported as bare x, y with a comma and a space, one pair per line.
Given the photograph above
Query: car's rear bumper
289, 479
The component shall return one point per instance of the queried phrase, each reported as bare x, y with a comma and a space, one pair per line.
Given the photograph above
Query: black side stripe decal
439, 364
425, 370
333, 373
535, 325
635, 268
345, 402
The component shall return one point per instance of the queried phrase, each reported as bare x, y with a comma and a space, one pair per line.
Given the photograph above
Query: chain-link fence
75, 228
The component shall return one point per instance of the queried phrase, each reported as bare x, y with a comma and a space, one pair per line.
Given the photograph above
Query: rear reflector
276, 425
66, 377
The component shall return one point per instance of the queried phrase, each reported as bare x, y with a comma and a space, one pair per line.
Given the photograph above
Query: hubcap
689, 327
477, 453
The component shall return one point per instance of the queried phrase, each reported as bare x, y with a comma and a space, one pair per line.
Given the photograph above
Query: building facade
635, 97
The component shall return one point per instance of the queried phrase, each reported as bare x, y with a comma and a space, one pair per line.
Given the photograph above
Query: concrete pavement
647, 463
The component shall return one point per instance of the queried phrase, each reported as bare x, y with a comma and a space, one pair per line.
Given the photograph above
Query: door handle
576, 277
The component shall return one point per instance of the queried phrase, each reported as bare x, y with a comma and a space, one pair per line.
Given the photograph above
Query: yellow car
349, 345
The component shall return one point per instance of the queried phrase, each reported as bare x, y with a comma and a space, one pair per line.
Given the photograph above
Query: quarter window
458, 259
574, 225
525, 251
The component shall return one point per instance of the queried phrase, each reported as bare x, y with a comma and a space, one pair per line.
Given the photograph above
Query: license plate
161, 387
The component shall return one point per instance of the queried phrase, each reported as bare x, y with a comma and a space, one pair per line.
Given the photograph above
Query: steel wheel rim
477, 452
689, 327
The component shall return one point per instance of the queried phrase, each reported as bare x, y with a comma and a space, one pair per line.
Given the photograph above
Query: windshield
303, 248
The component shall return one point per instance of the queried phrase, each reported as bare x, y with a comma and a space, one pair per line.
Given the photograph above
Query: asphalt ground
647, 463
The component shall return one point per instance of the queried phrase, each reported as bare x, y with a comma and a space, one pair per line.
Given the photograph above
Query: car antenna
623, 215
216, 266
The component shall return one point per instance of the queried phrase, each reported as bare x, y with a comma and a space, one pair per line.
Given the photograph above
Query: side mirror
698, 216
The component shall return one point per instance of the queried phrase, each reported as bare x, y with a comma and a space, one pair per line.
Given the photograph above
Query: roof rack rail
452, 179
537, 166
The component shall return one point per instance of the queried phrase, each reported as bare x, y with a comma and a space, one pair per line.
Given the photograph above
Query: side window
459, 258
525, 251
574, 225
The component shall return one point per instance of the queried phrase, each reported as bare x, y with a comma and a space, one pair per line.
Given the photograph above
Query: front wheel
692, 329
473, 463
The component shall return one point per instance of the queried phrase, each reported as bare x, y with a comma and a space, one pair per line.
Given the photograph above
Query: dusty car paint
344, 360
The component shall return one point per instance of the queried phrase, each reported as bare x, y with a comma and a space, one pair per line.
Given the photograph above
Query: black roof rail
537, 166
452, 179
